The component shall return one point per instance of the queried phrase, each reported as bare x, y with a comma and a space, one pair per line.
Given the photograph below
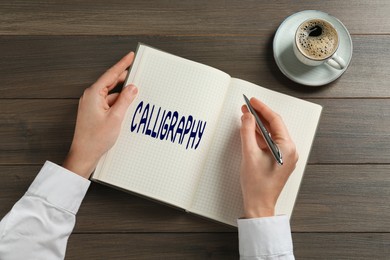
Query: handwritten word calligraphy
163, 124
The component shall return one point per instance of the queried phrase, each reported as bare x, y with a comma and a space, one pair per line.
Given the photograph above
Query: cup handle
336, 62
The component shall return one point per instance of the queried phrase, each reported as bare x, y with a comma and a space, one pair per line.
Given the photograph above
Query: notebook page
219, 193
165, 170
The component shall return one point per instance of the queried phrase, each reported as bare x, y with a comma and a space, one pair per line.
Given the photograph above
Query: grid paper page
157, 168
219, 193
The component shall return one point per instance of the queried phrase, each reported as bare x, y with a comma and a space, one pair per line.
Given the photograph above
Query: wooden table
52, 50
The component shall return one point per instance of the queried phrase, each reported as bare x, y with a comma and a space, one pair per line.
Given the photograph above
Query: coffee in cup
316, 42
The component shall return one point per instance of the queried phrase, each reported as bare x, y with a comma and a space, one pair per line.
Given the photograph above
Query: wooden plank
351, 131
33, 131
343, 198
153, 246
341, 246
333, 198
62, 67
222, 246
178, 17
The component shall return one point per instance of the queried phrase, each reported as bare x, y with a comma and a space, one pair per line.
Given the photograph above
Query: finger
245, 109
277, 128
112, 74
119, 80
124, 100
248, 134
111, 99
259, 138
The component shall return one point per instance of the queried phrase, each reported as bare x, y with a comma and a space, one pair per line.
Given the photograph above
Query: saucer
292, 67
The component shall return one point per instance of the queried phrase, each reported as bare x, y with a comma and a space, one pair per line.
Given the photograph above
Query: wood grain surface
52, 50
203, 17
62, 67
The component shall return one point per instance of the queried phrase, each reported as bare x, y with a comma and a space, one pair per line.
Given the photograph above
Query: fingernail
133, 89
245, 117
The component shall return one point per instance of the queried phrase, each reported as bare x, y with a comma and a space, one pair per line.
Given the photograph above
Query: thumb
124, 100
248, 133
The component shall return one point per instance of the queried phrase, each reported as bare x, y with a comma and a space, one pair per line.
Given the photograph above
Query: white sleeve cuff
269, 236
60, 187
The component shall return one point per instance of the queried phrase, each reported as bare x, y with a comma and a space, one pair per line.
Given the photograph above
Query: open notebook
180, 142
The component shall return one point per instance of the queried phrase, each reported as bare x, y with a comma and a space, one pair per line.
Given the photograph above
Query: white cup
316, 42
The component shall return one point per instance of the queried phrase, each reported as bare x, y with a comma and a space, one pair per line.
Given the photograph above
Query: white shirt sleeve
39, 224
265, 238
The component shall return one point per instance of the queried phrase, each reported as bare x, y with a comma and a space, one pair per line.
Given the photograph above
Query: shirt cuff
269, 236
60, 187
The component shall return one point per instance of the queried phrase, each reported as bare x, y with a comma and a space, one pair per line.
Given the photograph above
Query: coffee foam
317, 39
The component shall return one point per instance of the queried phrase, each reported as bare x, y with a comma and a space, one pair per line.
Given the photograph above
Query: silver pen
266, 135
